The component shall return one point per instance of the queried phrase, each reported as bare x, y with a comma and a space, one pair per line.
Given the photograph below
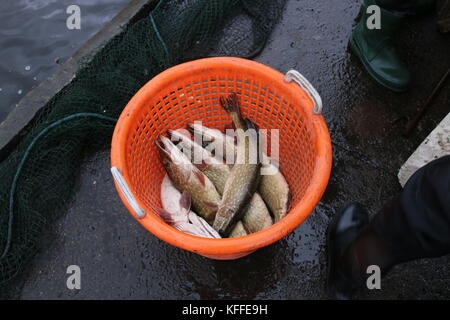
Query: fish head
204, 134
182, 138
191, 148
177, 165
170, 153
164, 154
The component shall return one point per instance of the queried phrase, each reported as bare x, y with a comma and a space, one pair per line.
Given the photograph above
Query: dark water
33, 34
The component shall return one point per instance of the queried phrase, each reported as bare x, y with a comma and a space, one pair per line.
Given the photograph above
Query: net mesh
37, 179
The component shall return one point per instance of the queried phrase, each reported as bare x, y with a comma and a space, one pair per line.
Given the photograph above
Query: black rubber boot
412, 7
342, 231
414, 225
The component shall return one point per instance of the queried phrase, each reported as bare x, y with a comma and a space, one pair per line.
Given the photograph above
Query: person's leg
375, 47
396, 5
407, 6
416, 224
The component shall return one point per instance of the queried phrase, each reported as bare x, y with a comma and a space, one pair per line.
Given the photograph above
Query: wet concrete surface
121, 260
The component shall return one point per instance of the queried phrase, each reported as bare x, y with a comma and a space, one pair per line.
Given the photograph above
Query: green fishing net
37, 179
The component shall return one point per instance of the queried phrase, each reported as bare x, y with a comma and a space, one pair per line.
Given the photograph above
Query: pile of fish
229, 200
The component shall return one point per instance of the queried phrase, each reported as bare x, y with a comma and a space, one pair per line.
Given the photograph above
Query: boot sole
331, 226
328, 243
328, 288
355, 49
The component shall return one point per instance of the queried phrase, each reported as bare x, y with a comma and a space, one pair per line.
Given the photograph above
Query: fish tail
231, 103
251, 124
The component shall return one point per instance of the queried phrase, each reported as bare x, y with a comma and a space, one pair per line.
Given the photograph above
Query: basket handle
308, 87
123, 186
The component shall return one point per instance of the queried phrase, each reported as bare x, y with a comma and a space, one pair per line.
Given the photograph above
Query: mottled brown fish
275, 191
244, 177
238, 231
186, 177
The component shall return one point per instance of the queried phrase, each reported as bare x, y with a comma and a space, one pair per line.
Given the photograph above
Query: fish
275, 191
223, 146
239, 230
186, 177
256, 217
273, 187
244, 177
214, 168
176, 212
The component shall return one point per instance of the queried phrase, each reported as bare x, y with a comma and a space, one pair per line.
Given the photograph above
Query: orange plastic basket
189, 92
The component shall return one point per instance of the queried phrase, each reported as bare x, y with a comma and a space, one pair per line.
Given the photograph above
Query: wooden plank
436, 145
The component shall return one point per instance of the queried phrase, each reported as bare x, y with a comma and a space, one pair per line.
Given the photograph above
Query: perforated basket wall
191, 92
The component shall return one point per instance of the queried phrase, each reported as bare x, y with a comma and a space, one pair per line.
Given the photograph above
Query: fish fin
189, 229
165, 215
202, 166
211, 204
194, 230
203, 225
201, 177
251, 124
246, 228
230, 103
289, 201
185, 201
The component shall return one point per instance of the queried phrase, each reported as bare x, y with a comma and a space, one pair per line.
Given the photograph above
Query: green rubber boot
375, 48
